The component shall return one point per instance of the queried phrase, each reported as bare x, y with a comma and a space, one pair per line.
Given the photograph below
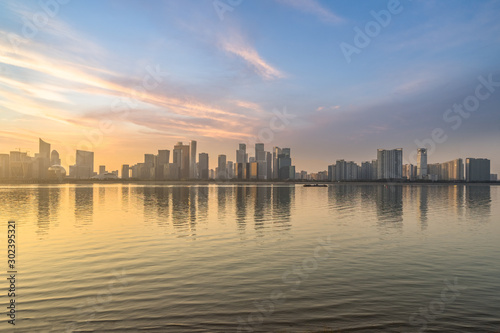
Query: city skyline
390, 164
191, 71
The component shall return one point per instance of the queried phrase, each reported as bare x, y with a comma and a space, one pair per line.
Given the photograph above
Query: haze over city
130, 78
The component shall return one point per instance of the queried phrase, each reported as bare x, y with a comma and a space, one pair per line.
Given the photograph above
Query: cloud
314, 8
327, 108
236, 45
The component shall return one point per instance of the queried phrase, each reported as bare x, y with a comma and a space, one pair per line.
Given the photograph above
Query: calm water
347, 258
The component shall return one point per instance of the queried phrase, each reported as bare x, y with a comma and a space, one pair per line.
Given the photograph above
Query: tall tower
203, 166
422, 163
181, 158
276, 153
44, 158
192, 169
222, 167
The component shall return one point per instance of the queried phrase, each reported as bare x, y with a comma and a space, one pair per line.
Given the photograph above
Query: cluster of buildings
45, 165
389, 166
184, 163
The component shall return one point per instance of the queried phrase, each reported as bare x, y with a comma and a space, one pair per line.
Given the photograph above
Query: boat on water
315, 185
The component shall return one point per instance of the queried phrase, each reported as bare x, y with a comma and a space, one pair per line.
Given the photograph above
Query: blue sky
81, 75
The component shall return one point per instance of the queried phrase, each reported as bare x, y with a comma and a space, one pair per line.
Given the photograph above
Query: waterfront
216, 258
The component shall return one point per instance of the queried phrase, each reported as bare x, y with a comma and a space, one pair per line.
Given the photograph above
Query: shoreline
239, 182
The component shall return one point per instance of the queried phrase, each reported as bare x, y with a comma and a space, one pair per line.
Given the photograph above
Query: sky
329, 79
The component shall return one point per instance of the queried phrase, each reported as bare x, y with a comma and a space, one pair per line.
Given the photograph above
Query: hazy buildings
43, 159
477, 169
284, 164
453, 170
161, 164
84, 167
181, 158
203, 166
193, 172
410, 172
54, 158
276, 153
4, 166
421, 163
221, 168
390, 164
125, 171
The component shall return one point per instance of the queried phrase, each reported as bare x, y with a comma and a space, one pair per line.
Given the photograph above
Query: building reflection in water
222, 193
283, 197
262, 195
242, 193
478, 202
48, 208
389, 202
202, 203
125, 193
423, 205
181, 211
84, 205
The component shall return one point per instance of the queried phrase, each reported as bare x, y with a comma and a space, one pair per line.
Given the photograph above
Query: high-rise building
181, 158
285, 168
453, 170
409, 172
162, 161
84, 167
241, 154
366, 171
221, 169
20, 165
421, 163
260, 154
193, 171
125, 171
276, 153
54, 158
44, 158
331, 173
390, 164
102, 169
203, 166
4, 166
477, 169
230, 170
340, 170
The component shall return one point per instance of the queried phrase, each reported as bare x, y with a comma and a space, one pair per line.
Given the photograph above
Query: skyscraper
276, 153
421, 163
44, 158
4, 166
390, 164
285, 168
125, 171
477, 169
192, 169
181, 158
203, 166
162, 161
221, 167
260, 154
84, 167
241, 154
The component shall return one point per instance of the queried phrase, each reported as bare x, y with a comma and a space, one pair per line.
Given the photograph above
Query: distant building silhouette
390, 164
422, 163
477, 169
